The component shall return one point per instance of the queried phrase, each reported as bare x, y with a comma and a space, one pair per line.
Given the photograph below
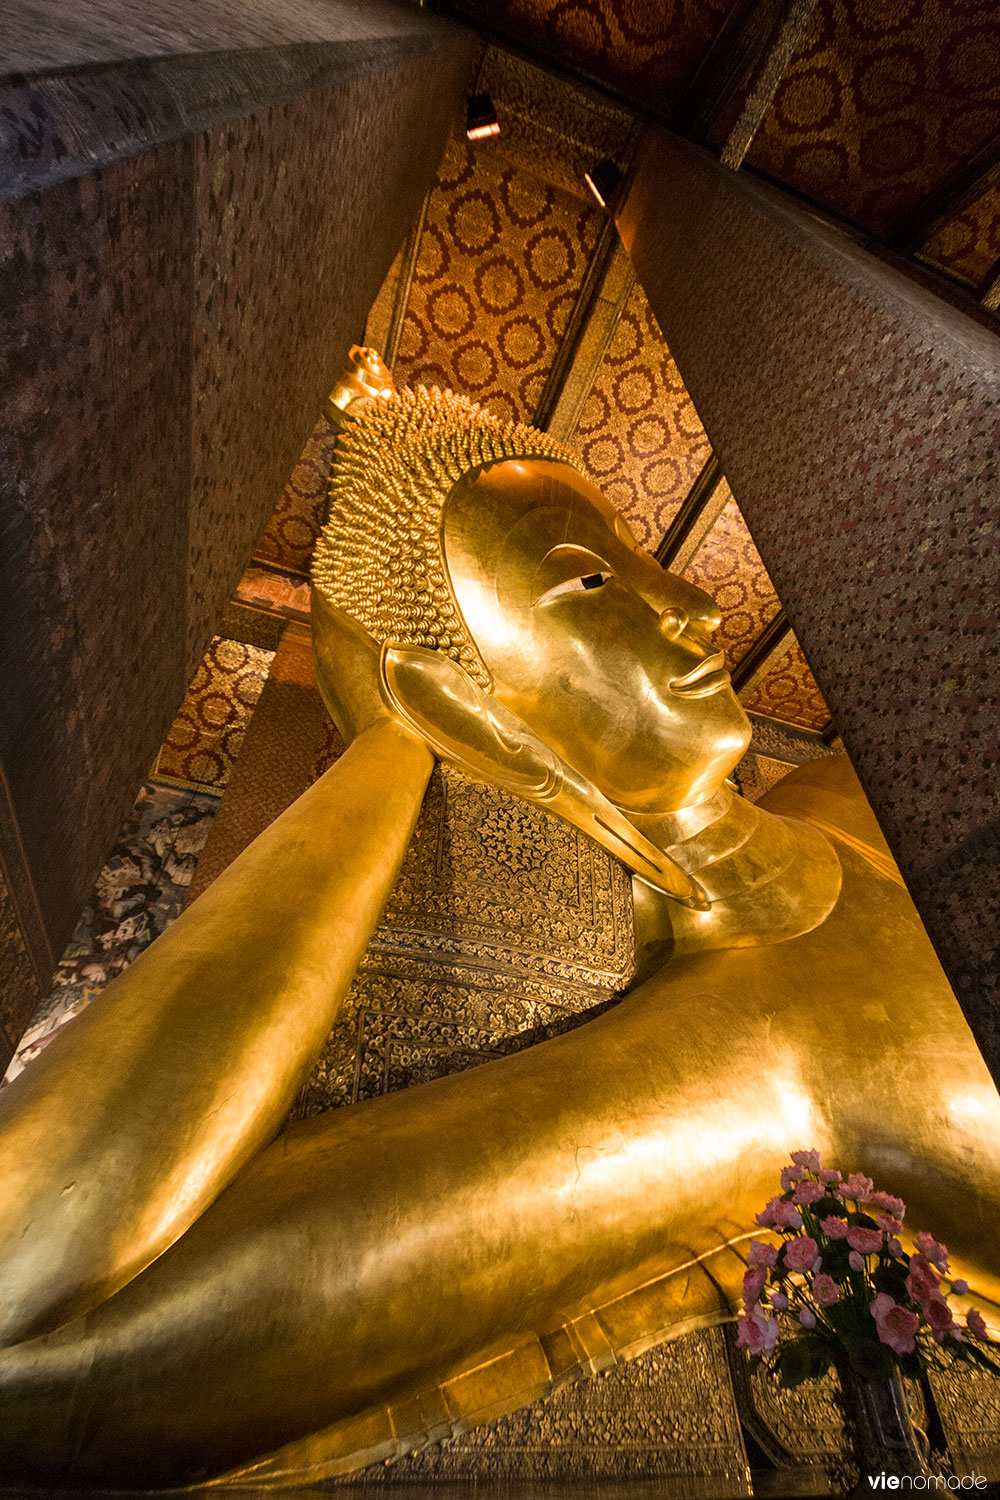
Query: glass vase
880, 1430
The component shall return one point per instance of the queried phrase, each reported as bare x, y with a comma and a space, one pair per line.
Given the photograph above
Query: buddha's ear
434, 697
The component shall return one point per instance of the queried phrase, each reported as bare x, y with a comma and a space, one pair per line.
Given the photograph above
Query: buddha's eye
575, 585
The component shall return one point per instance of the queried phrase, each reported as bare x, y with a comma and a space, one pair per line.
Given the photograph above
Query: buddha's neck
768, 878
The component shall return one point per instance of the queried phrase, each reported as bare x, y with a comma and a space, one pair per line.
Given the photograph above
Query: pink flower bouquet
841, 1280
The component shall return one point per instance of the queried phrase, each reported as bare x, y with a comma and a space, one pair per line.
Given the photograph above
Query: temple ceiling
512, 286
886, 112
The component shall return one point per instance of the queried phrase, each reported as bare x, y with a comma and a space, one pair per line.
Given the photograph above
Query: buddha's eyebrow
568, 549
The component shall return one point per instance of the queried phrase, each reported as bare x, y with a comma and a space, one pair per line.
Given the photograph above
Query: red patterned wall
789, 692
728, 566
639, 434
500, 265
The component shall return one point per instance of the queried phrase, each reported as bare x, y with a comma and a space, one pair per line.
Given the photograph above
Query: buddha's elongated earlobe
431, 694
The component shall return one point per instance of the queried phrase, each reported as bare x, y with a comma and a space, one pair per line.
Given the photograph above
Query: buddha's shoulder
826, 791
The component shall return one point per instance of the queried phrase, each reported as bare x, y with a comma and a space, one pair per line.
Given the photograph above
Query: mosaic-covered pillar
197, 208
857, 418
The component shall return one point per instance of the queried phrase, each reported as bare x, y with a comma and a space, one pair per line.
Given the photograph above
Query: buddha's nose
672, 622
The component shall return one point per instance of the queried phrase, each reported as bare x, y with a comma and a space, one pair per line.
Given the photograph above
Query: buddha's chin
677, 787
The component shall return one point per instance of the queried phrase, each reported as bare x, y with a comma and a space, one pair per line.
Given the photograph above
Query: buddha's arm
117, 1137
364, 1254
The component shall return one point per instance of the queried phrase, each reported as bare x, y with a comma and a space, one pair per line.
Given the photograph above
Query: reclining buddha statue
192, 1290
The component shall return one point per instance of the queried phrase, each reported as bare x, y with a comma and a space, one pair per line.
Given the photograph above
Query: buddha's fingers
117, 1137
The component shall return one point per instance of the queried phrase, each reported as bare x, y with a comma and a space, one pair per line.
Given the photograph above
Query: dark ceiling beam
692, 509
966, 187
767, 643
739, 77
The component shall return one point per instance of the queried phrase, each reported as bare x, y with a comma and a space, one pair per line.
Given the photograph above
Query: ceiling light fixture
481, 120
604, 180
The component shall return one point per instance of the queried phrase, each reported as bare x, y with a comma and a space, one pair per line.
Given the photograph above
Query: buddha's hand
430, 697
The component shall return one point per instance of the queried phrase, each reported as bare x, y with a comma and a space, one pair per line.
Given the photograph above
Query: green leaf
835, 1258
890, 1277
841, 1316
872, 1360
805, 1357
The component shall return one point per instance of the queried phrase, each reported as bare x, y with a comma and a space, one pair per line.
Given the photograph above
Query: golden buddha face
600, 652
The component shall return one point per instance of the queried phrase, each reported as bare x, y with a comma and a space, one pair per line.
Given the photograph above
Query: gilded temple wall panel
668, 1415
504, 926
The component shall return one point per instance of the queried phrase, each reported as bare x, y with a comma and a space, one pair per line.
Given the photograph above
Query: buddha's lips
707, 677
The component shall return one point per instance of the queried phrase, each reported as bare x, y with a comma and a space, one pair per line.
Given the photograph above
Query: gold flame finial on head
364, 377
380, 555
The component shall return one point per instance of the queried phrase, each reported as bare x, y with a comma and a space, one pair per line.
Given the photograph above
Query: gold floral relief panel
728, 566
499, 267
505, 927
789, 692
639, 435
519, 885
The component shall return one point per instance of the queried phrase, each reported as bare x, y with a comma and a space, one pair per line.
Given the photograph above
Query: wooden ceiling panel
883, 104
639, 435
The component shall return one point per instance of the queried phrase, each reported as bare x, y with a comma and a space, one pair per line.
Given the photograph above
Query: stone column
857, 418
198, 203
